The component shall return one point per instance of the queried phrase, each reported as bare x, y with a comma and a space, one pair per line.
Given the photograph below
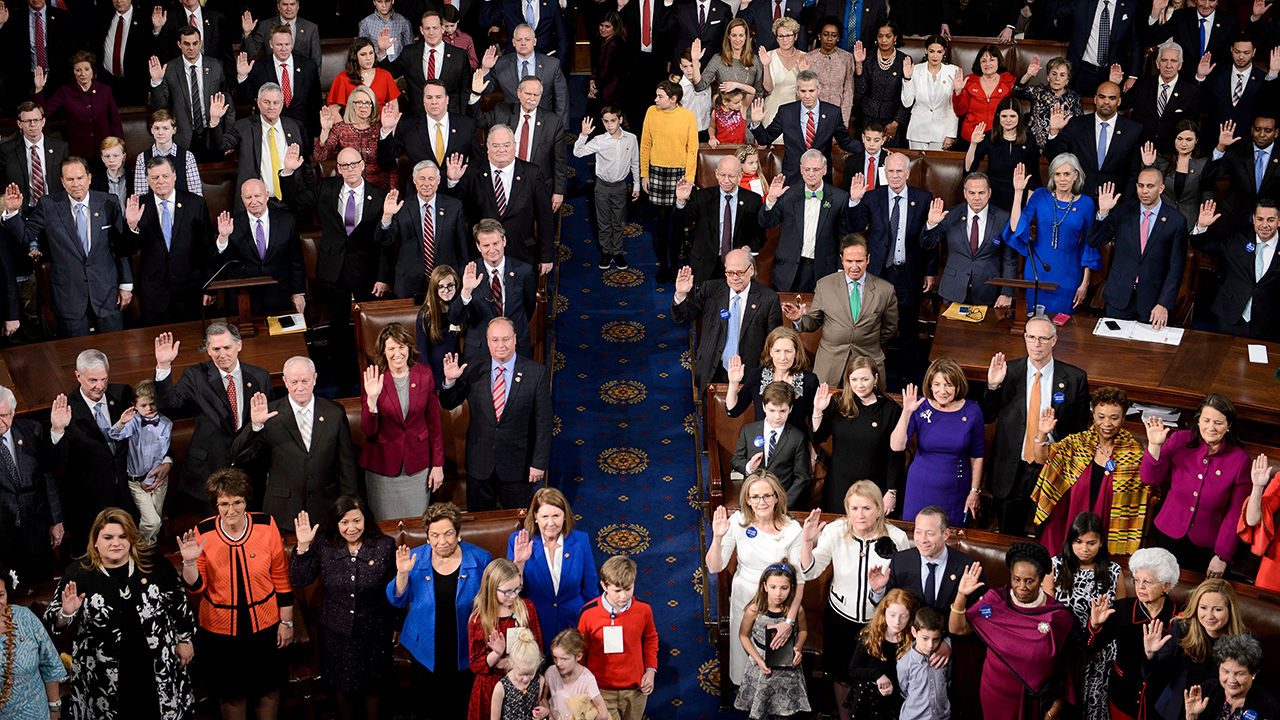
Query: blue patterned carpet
624, 450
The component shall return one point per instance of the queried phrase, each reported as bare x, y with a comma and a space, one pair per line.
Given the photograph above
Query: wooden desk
1178, 377
38, 373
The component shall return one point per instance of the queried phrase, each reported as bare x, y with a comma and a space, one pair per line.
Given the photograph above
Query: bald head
253, 193
728, 173
1107, 100
351, 167
895, 171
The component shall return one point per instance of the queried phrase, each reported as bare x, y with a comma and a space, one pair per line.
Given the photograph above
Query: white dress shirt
899, 242
264, 160
507, 174
199, 24
812, 207
236, 374
93, 408
555, 561
109, 43
489, 270
253, 232
1097, 129
533, 136
1091, 45
443, 124
1266, 250
982, 223
426, 58
615, 157
281, 73
1239, 76
305, 416
358, 191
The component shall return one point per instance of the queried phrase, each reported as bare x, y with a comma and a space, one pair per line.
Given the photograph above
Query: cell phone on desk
1112, 325
286, 322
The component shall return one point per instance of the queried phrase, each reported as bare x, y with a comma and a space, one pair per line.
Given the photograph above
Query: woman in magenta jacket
1206, 475
403, 454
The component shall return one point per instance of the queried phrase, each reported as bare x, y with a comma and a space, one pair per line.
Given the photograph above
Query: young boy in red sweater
622, 641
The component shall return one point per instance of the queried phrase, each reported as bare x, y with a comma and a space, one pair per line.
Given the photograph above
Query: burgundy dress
1031, 640
91, 115
487, 678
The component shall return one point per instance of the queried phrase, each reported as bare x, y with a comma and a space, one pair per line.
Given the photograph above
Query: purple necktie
262, 242
349, 216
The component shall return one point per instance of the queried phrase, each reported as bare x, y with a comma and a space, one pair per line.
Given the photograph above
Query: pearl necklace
886, 64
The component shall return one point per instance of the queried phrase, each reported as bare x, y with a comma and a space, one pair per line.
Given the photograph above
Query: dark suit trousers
79, 327
1086, 82
183, 307
908, 303
805, 281
1014, 510
485, 494
32, 564
1128, 312
342, 342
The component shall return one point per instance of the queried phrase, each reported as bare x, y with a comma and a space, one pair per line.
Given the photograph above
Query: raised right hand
59, 414
859, 52
877, 577
792, 312
821, 399
303, 530
696, 51
384, 41
292, 158
937, 212
1020, 178
764, 55
247, 23
1058, 119
4, 14
1158, 7
1154, 637
720, 522
12, 198
158, 18
906, 68
452, 370
243, 66
454, 167
155, 68
405, 560
979, 132
470, 278
71, 601
217, 106
1260, 473
258, 413
490, 58
1148, 154
1194, 702
684, 280
911, 399
522, 548
391, 205
497, 642
1157, 433
226, 224
38, 79
1047, 420
1227, 134
1033, 68
1208, 214
372, 385
737, 370
684, 189
813, 526
757, 111
1107, 198
588, 126
776, 188
390, 116
857, 188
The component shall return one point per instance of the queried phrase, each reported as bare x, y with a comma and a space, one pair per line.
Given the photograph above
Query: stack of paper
1134, 330
1168, 415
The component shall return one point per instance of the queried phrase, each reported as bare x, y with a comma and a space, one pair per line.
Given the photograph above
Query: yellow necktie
439, 146
275, 164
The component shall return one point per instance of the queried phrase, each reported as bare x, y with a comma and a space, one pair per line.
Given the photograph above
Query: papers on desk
1168, 415
1258, 354
1134, 330
286, 324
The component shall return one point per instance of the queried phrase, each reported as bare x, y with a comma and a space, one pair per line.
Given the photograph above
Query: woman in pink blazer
403, 454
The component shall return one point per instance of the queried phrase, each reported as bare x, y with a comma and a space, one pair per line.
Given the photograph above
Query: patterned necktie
260, 238
495, 291
197, 105
855, 302
428, 241
166, 224
440, 146
731, 337
895, 217
1163, 100
305, 425
103, 424
41, 59
191, 20
524, 138
1033, 421
231, 398
1102, 144
1104, 33
10, 467
117, 46
1238, 92
285, 85
702, 17
853, 21
37, 175
431, 65
528, 14
726, 227
500, 193
349, 213
773, 445
275, 164
973, 237
810, 129
82, 227
499, 393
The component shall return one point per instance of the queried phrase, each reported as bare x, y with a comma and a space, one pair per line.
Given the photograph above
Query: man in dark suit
1105, 143
431, 59
737, 314
858, 20
305, 443
127, 36
721, 219
36, 32
690, 20
775, 445
351, 261
216, 35
509, 435
304, 34
1235, 92
539, 135
977, 250
246, 135
761, 14
94, 468
1017, 393
1103, 32
297, 76
1248, 303
424, 245
505, 188
437, 134
1158, 103
1150, 252
502, 286
171, 87
90, 276
1253, 169
805, 251
1198, 28
30, 505
893, 216
930, 560
265, 241
542, 16
173, 241
505, 72
648, 51
805, 124
31, 160
217, 392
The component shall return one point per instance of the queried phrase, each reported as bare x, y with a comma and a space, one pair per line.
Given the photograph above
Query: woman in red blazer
403, 454
983, 90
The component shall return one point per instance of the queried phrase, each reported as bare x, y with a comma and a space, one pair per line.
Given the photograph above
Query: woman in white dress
763, 534
927, 90
781, 68
853, 546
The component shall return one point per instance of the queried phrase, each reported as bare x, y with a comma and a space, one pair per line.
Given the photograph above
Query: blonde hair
571, 641
349, 114
554, 498
524, 652
1195, 640
618, 571
486, 605
114, 516
780, 516
870, 491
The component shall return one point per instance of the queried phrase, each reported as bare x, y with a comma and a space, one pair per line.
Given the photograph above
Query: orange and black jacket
249, 575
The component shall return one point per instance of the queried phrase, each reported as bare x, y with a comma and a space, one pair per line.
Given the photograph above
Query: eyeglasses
362, 103
350, 165
1038, 339
754, 499
32, 121
448, 286
509, 593
236, 505
784, 36
736, 273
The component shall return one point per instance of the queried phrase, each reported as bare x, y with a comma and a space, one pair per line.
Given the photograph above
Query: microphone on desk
204, 325
1036, 262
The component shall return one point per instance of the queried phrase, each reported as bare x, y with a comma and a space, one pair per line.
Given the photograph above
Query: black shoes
604, 261
621, 262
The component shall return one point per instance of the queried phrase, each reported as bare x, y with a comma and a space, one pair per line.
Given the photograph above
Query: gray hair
92, 359
906, 163
158, 160
1169, 45
1074, 162
1159, 562
751, 259
1244, 649
425, 164
297, 359
221, 328
977, 175
269, 87
1041, 317
806, 75
812, 153
528, 79
501, 126
7, 397
523, 26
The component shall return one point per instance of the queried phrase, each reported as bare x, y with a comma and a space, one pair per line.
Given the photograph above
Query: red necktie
499, 394
495, 289
702, 17
191, 20
431, 65
115, 51
231, 398
428, 240
871, 174
500, 194
646, 31
37, 175
777, 10
285, 85
810, 129
41, 59
973, 237
524, 138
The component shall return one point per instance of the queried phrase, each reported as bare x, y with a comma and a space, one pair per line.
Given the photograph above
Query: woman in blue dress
1062, 217
950, 443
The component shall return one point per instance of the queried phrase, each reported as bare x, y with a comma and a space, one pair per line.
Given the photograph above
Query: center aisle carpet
623, 450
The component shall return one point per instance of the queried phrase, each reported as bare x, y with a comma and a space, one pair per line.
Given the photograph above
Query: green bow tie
811, 194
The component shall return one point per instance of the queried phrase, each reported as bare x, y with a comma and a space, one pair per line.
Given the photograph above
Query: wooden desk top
1178, 377
38, 373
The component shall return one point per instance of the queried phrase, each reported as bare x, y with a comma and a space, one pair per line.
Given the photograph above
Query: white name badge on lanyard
612, 639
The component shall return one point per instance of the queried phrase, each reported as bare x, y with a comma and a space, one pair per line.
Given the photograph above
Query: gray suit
555, 90
78, 283
245, 136
548, 150
965, 276
306, 38
789, 462
175, 88
789, 213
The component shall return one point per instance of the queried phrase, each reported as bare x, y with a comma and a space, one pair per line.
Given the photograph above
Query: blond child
521, 694
498, 617
571, 687
148, 433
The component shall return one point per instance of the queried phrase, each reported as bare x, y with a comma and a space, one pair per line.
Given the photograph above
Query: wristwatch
287, 623
789, 621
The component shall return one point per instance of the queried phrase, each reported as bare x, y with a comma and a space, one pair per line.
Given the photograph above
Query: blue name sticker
995, 241
1111, 466
1250, 247
1250, 715
1059, 398
752, 532
759, 441
985, 611
724, 314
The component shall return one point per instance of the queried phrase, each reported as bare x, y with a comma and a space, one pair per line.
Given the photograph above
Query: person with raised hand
1257, 523
860, 423
813, 215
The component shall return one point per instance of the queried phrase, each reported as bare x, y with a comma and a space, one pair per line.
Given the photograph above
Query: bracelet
954, 610
55, 706
62, 613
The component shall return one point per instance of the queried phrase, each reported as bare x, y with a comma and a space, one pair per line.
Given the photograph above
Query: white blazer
932, 117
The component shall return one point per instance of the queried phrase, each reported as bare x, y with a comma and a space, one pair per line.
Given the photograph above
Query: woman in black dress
356, 622
1008, 146
878, 80
436, 337
783, 360
860, 423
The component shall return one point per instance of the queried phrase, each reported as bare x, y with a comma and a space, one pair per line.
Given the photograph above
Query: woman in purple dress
950, 443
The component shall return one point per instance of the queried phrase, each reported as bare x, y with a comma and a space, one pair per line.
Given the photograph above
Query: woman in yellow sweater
668, 152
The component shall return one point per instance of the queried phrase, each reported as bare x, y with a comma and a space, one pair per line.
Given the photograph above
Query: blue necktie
103, 425
82, 227
1202, 37
1102, 144
809, 194
852, 25
1260, 169
166, 224
528, 13
731, 340
894, 219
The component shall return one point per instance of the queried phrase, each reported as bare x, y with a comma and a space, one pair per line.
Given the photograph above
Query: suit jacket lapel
290, 422
214, 378
68, 216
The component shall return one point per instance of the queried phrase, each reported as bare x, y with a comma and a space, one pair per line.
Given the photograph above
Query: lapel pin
1062, 385
144, 581
441, 213
95, 214
512, 273
753, 307
517, 177
19, 442
321, 418
371, 562
111, 402
517, 378
875, 424
953, 577
248, 385
369, 197
413, 385
566, 555
913, 203
179, 204
1163, 219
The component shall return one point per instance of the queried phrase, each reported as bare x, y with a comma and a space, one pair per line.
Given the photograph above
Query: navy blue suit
1124, 47
830, 127
1080, 138
451, 246
964, 279
520, 301
681, 19
1183, 27
1141, 279
550, 22
283, 261
872, 217
1234, 251
578, 583
1215, 95
1238, 163
789, 213
305, 93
